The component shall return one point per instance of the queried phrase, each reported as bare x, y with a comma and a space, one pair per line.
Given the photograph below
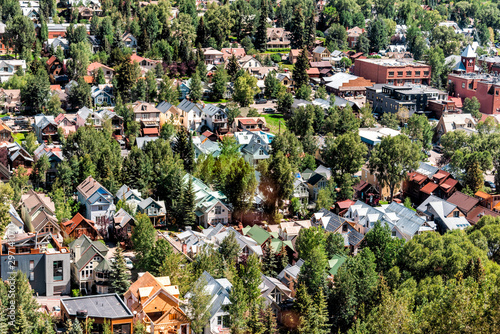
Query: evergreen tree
310, 30
201, 33
189, 204
229, 248
198, 306
118, 275
161, 250
80, 94
269, 260
303, 305
143, 239
261, 35
238, 307
319, 320
233, 67
270, 325
195, 91
474, 177
300, 75
100, 80
183, 146
219, 84
297, 31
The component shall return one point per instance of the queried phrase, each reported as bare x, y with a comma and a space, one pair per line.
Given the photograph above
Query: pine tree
311, 30
189, 158
300, 75
318, 320
195, 88
297, 31
229, 248
183, 146
189, 203
21, 325
201, 33
118, 275
197, 306
303, 306
143, 238
269, 260
269, 321
283, 259
261, 35
238, 307
233, 67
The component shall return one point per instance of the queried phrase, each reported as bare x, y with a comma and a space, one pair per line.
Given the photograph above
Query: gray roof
319, 49
409, 222
126, 217
187, 106
148, 201
436, 206
108, 306
141, 141
427, 169
292, 271
163, 106
218, 289
41, 121
325, 171
211, 110
469, 52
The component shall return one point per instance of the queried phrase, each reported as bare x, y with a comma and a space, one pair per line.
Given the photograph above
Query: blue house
98, 201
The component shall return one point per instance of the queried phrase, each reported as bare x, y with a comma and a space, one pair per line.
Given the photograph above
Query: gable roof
76, 221
90, 186
463, 201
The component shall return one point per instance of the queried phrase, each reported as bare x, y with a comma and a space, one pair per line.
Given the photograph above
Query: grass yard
19, 137
286, 65
273, 121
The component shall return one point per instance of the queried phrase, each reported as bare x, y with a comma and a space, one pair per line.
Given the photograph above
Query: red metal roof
429, 188
448, 185
150, 131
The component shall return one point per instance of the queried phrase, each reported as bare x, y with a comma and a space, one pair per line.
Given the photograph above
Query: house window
32, 276
426, 73
32, 265
57, 270
393, 233
408, 73
218, 210
417, 73
344, 228
223, 321
129, 229
391, 74
276, 295
400, 73
455, 214
99, 207
463, 84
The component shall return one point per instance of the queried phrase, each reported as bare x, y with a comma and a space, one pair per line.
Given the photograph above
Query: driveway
434, 158
260, 107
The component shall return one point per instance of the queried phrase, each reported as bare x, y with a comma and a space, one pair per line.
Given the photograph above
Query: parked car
128, 263
261, 101
438, 148
490, 185
56, 309
269, 110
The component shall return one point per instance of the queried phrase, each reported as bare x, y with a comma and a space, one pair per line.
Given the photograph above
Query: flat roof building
396, 72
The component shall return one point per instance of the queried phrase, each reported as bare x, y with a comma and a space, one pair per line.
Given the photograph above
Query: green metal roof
258, 234
335, 263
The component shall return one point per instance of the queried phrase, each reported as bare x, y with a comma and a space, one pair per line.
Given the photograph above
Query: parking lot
260, 107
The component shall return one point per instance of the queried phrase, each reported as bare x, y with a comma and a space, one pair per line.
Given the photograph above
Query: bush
276, 58
319, 33
279, 50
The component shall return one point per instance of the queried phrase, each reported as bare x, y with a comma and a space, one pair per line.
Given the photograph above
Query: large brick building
485, 87
397, 72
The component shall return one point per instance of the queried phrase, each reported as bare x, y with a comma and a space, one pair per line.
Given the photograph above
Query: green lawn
19, 137
216, 102
273, 121
286, 65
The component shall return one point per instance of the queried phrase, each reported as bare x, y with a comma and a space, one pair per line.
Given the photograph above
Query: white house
215, 118
8, 68
191, 114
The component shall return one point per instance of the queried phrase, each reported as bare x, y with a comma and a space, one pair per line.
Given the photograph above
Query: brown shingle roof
88, 187
463, 201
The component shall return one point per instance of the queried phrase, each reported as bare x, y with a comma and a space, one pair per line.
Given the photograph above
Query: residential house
315, 182
45, 128
373, 136
57, 42
275, 294
277, 38
10, 100
123, 224
141, 142
219, 232
353, 36
96, 199
129, 195
351, 231
215, 118
117, 122
155, 302
301, 191
55, 67
218, 290
8, 67
78, 226
16, 224
345, 84
341, 207
254, 145
94, 67
286, 80
85, 13
190, 115
263, 237
55, 156
155, 210
5, 133
102, 95
145, 64
319, 53
129, 40
13, 155
38, 213
473, 207
192, 242
213, 56
242, 124
101, 309
248, 61
89, 267
149, 117
204, 145
324, 68
446, 215
456, 122
211, 207
289, 276
41, 258
228, 52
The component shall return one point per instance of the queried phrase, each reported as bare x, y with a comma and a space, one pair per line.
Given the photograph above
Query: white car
128, 263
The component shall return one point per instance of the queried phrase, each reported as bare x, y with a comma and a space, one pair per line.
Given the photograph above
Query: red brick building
393, 71
486, 88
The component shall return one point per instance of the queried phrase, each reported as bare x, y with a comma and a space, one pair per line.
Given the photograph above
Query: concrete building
393, 71
388, 98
